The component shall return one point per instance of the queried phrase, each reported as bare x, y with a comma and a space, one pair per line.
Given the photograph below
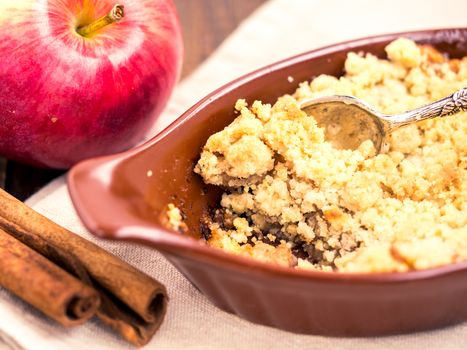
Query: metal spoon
348, 121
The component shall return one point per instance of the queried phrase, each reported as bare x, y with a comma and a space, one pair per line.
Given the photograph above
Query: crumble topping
292, 199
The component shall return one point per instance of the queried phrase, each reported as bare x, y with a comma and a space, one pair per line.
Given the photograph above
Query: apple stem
115, 15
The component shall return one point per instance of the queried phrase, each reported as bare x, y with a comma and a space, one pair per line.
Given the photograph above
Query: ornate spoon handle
453, 104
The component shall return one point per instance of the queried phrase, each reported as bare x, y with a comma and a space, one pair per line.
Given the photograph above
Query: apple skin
63, 97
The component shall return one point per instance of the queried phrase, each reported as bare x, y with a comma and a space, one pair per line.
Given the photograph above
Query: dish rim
172, 243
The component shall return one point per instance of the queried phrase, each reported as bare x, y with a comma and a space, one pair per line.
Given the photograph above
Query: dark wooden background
205, 24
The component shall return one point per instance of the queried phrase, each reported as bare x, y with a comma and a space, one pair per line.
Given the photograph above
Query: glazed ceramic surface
116, 199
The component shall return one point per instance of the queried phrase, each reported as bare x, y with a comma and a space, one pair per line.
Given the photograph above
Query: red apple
66, 96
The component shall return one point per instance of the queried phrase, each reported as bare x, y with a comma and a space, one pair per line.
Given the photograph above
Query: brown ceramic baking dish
125, 197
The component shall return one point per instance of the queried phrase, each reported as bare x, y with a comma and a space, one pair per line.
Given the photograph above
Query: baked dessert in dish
126, 197
292, 199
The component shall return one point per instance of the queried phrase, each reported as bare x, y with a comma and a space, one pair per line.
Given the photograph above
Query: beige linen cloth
278, 29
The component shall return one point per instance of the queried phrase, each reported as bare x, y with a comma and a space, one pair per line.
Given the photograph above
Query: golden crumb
175, 218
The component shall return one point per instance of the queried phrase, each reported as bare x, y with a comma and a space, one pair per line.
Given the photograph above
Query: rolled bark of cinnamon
44, 285
132, 303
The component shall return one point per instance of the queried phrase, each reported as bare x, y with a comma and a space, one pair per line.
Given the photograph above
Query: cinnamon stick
44, 285
132, 303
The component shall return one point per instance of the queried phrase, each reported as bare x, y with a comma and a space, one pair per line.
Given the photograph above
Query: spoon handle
453, 104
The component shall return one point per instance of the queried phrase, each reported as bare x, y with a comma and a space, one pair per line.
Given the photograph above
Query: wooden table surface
205, 24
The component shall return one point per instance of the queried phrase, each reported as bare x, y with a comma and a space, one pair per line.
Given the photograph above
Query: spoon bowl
348, 121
